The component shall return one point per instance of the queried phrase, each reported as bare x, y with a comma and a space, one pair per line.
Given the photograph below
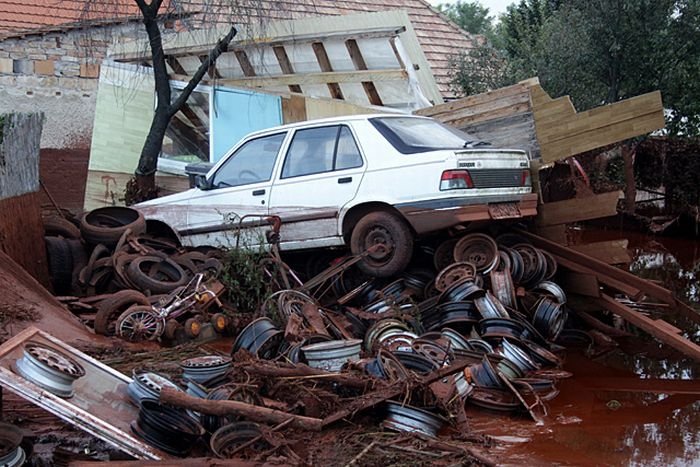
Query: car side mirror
203, 183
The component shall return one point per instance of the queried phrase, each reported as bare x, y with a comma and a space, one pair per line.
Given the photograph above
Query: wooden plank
175, 65
293, 109
580, 283
481, 115
325, 64
317, 78
603, 116
604, 271
470, 101
554, 110
489, 106
578, 209
611, 251
359, 62
244, 62
631, 291
286, 66
555, 233
643, 322
600, 137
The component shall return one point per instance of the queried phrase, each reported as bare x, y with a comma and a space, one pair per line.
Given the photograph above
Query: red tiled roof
438, 36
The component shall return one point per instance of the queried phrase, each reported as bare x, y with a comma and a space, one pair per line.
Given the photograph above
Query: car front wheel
389, 239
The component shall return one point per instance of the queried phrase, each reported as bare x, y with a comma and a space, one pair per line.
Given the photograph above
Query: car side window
251, 163
347, 154
318, 150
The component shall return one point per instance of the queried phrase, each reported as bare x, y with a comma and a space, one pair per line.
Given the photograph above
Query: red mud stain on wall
64, 174
22, 234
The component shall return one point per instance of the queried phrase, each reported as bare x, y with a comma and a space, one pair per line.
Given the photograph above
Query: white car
354, 181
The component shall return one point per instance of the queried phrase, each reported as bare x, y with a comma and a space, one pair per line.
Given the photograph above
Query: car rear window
411, 135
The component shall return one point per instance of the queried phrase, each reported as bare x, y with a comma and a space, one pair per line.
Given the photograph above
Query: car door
236, 199
321, 172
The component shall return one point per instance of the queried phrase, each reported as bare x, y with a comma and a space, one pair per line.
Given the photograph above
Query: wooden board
578, 209
562, 132
107, 188
611, 252
661, 332
555, 233
580, 283
293, 109
497, 95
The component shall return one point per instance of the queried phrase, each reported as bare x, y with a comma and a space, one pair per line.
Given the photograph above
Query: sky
496, 7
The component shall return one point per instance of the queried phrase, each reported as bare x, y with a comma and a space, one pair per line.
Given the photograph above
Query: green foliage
470, 16
481, 69
246, 284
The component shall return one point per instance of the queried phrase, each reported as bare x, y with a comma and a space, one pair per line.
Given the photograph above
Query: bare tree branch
221, 47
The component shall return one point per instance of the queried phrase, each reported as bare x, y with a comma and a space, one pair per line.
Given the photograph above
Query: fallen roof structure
365, 59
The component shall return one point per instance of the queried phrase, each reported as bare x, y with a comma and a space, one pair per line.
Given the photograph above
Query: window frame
339, 127
225, 160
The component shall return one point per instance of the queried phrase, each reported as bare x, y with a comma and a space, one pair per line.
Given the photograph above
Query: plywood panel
323, 108
611, 252
107, 188
578, 209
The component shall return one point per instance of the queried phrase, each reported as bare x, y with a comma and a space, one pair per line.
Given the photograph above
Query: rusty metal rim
403, 417
551, 289
415, 362
455, 272
433, 350
147, 385
228, 437
541, 354
517, 355
378, 328
10, 439
250, 334
479, 249
458, 341
49, 369
490, 307
461, 290
166, 428
14, 458
517, 266
499, 327
444, 254
549, 318
494, 399
391, 367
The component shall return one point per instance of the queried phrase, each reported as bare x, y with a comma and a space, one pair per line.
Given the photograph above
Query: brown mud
613, 411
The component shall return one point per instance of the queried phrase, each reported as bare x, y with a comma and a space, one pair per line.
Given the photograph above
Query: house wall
56, 73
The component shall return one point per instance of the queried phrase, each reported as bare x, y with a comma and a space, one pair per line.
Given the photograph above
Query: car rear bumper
433, 215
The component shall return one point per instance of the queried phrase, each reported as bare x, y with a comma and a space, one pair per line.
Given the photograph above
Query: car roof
321, 121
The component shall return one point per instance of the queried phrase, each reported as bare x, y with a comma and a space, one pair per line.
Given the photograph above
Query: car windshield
411, 135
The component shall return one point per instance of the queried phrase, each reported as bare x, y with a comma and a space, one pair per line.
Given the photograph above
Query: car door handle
345, 180
258, 192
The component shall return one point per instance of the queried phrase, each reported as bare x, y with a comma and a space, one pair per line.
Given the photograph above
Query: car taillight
455, 180
525, 179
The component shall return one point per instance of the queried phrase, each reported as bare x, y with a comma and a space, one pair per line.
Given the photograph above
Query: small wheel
391, 239
193, 327
140, 323
171, 328
219, 321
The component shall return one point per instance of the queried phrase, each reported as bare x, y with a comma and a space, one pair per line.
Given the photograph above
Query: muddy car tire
176, 276
382, 227
109, 309
107, 225
55, 226
60, 264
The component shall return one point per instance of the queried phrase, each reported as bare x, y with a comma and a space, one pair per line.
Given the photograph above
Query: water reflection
589, 426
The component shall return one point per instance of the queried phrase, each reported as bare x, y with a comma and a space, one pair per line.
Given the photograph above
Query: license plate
504, 211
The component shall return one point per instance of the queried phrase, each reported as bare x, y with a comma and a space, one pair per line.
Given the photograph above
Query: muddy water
607, 414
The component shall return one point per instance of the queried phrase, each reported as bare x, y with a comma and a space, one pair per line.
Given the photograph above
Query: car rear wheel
392, 241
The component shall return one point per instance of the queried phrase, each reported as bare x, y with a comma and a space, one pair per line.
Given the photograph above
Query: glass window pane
348, 155
251, 163
311, 152
187, 136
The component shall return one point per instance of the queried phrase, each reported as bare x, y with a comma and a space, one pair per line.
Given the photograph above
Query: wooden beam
325, 64
605, 272
359, 62
244, 62
661, 332
175, 65
318, 78
611, 251
285, 66
480, 99
580, 283
578, 209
